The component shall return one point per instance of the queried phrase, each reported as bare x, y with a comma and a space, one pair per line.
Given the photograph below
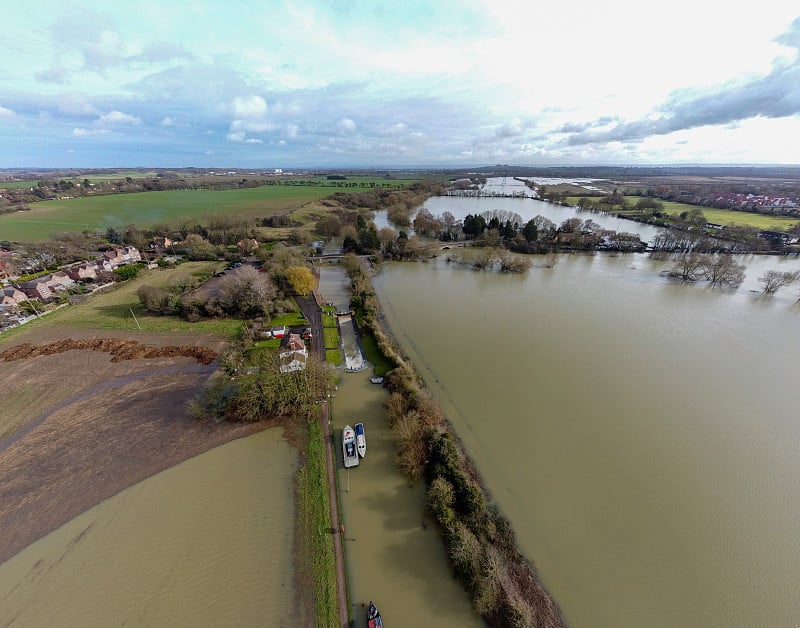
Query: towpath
311, 310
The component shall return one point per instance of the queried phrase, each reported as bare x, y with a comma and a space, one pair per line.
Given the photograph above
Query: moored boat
361, 440
373, 617
349, 447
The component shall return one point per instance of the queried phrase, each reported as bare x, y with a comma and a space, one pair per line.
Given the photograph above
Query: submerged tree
723, 270
773, 280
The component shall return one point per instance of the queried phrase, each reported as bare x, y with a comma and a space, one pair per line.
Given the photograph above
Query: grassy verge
328, 320
331, 337
314, 509
334, 356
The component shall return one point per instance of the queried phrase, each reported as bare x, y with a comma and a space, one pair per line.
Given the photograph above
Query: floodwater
205, 543
527, 208
392, 559
641, 435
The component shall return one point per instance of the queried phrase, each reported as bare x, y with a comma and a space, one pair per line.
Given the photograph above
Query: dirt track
118, 348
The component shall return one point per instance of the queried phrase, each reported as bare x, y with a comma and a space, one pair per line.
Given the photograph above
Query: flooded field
204, 543
640, 434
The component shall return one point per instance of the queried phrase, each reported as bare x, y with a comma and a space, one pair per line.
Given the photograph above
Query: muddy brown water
205, 543
641, 435
392, 558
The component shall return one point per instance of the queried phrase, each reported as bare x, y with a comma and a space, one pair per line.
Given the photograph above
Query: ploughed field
92, 405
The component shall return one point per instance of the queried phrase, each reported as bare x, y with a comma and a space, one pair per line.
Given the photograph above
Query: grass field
719, 216
147, 208
115, 310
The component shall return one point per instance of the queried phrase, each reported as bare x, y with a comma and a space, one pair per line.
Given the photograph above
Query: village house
82, 272
11, 297
293, 354
160, 244
38, 289
60, 281
123, 255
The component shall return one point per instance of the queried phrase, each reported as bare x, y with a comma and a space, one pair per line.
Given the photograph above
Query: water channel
391, 557
641, 435
204, 543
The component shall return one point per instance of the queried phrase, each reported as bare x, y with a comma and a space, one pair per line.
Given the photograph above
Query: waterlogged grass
147, 208
381, 363
315, 512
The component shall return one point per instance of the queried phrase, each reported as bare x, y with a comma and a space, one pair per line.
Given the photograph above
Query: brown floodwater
641, 435
392, 559
205, 543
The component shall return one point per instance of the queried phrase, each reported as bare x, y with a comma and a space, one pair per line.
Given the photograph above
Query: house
60, 281
38, 289
293, 354
122, 255
11, 297
82, 272
161, 244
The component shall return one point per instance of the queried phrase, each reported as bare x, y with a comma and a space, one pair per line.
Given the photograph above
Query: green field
115, 309
15, 185
718, 216
147, 208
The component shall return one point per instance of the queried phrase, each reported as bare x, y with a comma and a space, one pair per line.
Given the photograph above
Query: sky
451, 83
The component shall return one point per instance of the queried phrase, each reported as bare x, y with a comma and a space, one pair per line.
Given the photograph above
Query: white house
293, 354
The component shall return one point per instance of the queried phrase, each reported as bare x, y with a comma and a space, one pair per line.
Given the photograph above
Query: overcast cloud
292, 84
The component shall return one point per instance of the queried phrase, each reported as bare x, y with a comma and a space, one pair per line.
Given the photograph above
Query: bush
155, 300
122, 273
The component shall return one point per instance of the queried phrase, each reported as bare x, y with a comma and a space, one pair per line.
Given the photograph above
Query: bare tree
689, 266
773, 280
723, 270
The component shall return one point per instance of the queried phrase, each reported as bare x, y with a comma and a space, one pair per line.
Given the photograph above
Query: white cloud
5, 113
80, 131
292, 130
235, 137
250, 107
168, 121
346, 125
253, 126
253, 140
116, 118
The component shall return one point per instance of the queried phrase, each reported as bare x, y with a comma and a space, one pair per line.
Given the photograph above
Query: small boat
376, 380
349, 447
361, 440
373, 617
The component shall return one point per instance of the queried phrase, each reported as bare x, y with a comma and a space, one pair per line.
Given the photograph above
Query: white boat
361, 440
349, 447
